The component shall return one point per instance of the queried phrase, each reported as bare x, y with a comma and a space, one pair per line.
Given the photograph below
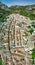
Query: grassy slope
3, 14
0, 62
24, 10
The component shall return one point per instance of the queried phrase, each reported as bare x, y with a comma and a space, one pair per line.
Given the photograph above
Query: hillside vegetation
28, 11
4, 11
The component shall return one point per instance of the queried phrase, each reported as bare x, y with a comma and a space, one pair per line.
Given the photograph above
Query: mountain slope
28, 10
4, 11
3, 6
